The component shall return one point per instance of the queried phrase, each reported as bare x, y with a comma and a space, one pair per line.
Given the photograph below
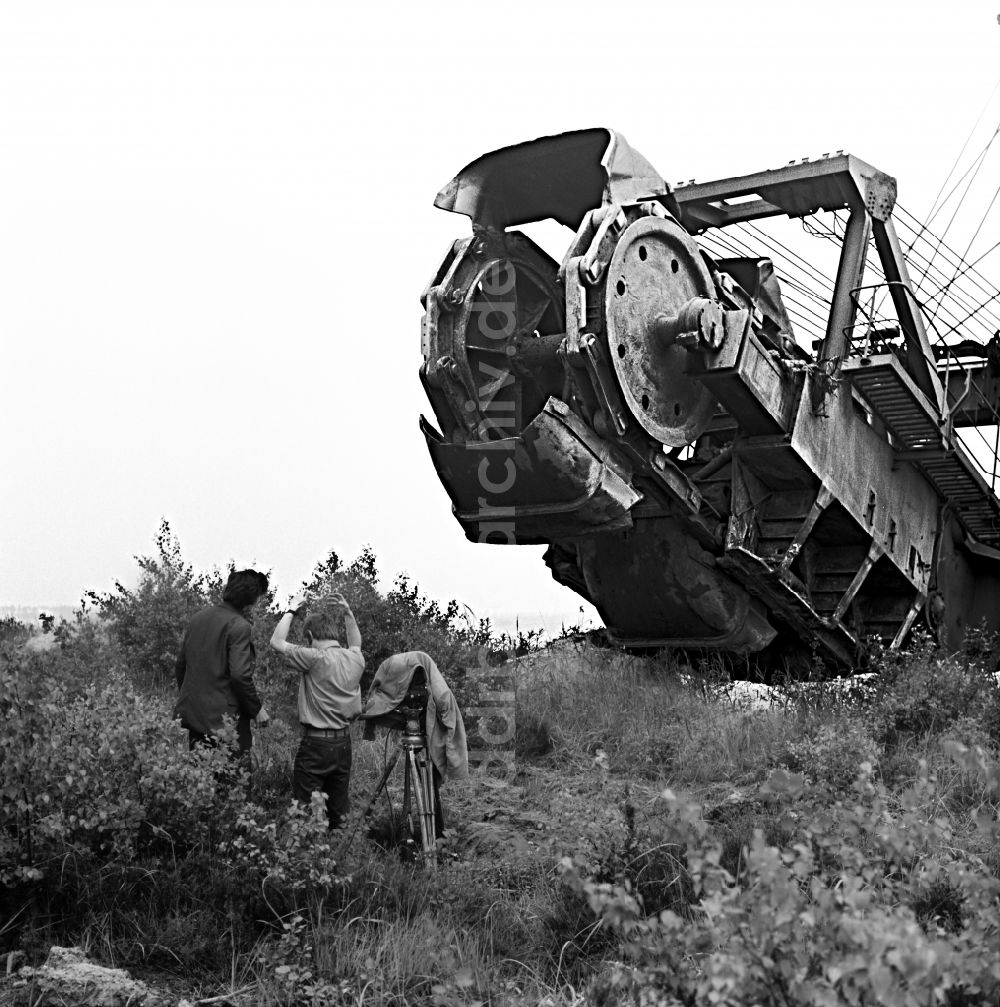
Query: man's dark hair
244, 587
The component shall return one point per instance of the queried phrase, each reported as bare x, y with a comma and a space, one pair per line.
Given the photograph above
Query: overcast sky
216, 220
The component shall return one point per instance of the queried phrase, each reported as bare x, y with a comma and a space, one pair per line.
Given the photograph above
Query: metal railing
876, 332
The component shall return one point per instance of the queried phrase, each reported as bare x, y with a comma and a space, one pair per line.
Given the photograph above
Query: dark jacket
215, 671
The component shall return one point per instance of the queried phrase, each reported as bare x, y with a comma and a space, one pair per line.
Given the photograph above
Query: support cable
731, 244
981, 281
981, 162
968, 140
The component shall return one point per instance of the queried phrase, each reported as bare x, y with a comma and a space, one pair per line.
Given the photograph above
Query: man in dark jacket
215, 666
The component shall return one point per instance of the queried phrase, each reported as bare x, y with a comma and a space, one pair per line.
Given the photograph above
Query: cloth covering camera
447, 747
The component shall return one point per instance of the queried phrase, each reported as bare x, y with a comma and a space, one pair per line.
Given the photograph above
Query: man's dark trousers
324, 764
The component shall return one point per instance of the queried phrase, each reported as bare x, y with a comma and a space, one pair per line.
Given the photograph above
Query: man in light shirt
329, 699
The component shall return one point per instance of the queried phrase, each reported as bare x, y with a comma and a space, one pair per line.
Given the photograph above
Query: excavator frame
645, 409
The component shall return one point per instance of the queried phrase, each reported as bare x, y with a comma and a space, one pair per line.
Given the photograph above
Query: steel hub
656, 270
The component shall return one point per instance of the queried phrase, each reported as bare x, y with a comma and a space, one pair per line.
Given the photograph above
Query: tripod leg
390, 766
418, 789
407, 787
430, 804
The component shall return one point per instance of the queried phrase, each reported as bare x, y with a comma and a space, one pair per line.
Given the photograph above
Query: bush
404, 618
148, 622
867, 902
145, 625
924, 691
109, 823
13, 632
96, 774
828, 751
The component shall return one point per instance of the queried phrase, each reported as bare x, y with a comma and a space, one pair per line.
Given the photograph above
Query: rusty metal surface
795, 190
667, 404
673, 591
644, 409
576, 484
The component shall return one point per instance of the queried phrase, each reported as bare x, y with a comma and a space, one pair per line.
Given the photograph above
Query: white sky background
216, 220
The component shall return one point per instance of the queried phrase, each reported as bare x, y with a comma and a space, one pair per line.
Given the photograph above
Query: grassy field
657, 844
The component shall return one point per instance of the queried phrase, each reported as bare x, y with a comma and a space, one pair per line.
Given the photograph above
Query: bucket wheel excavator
720, 452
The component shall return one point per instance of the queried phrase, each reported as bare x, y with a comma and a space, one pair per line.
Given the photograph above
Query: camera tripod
421, 804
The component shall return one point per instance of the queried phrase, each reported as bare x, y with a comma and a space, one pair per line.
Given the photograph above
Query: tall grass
651, 721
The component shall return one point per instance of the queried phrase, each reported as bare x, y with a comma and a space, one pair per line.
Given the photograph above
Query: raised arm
279, 637
351, 630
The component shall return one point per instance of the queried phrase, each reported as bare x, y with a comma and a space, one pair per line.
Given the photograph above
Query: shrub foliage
148, 621
867, 902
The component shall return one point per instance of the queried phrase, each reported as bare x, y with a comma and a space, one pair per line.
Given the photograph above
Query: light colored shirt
330, 687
